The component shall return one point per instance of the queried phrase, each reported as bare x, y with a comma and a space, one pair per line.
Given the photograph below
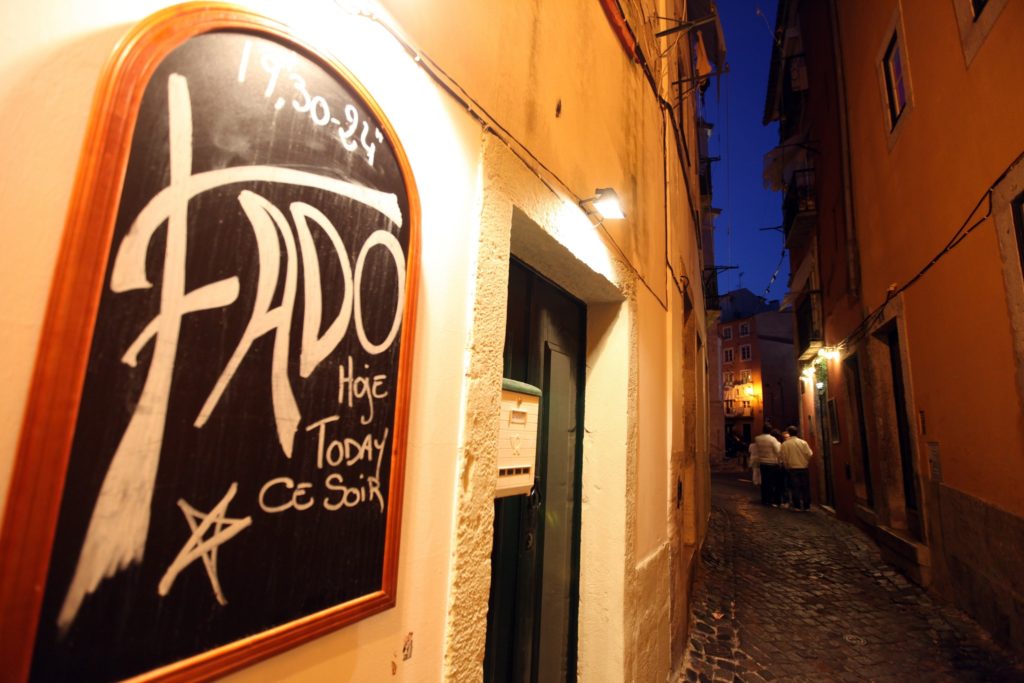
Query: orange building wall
947, 152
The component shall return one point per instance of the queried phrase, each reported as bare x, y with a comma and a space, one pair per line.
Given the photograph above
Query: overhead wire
728, 175
782, 259
480, 114
488, 122
869, 321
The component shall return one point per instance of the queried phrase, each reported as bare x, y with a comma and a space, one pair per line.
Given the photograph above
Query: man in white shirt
796, 455
765, 454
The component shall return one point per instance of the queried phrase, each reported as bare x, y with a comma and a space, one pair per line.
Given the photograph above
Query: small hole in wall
558, 109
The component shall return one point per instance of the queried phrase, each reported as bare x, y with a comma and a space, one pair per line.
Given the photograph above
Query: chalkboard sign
220, 398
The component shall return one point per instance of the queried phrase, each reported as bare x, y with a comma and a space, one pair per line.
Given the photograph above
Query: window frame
894, 41
975, 24
1017, 216
894, 68
727, 333
744, 329
727, 355
745, 352
1008, 212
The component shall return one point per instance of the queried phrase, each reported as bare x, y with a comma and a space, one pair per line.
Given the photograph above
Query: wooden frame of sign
211, 462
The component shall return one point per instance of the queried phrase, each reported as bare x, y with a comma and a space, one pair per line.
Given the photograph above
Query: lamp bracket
684, 25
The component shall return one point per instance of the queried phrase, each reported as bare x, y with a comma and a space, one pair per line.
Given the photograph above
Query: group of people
779, 461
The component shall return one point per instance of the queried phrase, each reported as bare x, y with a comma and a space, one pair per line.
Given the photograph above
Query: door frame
525, 567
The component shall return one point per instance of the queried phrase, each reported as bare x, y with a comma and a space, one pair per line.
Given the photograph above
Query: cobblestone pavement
795, 596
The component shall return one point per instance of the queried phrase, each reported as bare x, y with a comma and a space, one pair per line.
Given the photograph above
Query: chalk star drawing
198, 545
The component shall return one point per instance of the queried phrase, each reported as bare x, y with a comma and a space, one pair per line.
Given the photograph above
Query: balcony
794, 96
705, 177
799, 208
809, 337
711, 299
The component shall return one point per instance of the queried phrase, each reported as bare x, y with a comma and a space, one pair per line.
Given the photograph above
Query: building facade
510, 115
902, 218
757, 364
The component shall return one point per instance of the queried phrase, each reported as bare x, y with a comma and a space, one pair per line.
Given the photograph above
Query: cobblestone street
789, 596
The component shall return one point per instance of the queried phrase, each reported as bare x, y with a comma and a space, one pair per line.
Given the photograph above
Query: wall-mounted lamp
749, 390
828, 353
605, 203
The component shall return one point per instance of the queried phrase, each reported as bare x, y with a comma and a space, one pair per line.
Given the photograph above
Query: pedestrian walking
795, 455
734, 446
784, 495
765, 450
755, 471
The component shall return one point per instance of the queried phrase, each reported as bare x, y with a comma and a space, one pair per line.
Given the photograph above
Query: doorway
825, 428
532, 619
852, 368
891, 337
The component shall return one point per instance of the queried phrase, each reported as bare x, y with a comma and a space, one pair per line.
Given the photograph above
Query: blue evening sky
736, 106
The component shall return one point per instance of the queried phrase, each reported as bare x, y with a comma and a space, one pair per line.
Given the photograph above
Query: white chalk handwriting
276, 62
198, 545
348, 485
119, 524
363, 389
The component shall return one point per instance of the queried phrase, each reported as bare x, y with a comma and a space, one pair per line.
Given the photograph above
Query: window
726, 333
1018, 224
729, 378
745, 352
744, 329
895, 79
745, 377
975, 19
746, 404
1008, 210
728, 355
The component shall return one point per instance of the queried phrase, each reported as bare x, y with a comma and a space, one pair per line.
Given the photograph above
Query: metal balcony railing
711, 298
800, 206
809, 337
794, 89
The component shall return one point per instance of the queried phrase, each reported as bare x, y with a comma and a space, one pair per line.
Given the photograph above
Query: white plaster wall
53, 53
602, 650
653, 456
609, 133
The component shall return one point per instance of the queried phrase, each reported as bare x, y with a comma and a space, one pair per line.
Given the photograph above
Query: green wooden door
532, 620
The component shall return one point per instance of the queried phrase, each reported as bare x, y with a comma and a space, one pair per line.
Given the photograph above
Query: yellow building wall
573, 113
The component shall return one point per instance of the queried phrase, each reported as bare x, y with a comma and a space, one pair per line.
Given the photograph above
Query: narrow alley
782, 595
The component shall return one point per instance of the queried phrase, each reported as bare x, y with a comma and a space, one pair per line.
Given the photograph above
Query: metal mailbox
517, 438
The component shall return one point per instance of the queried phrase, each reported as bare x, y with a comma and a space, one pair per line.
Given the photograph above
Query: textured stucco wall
473, 529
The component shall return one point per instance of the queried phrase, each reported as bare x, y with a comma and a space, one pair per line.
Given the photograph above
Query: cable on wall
490, 123
965, 229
